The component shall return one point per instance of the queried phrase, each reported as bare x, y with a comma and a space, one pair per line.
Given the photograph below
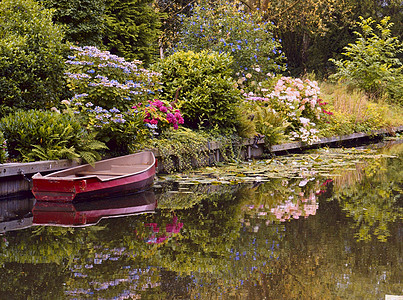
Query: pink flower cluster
293, 210
158, 112
296, 93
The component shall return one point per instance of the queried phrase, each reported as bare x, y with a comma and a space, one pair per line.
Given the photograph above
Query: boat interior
110, 168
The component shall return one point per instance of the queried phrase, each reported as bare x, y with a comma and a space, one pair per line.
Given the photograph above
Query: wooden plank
12, 169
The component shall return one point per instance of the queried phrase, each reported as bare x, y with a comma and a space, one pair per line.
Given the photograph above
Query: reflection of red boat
130, 173
91, 212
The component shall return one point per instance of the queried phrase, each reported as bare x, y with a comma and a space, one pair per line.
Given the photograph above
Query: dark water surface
316, 237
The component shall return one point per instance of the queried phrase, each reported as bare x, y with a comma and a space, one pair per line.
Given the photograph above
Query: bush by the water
205, 91
42, 135
31, 56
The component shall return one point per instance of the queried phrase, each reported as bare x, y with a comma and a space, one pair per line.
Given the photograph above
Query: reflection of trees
372, 195
226, 244
330, 264
31, 281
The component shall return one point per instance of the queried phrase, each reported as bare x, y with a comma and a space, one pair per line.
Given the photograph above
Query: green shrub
225, 27
83, 19
3, 148
206, 93
131, 29
371, 63
41, 135
31, 56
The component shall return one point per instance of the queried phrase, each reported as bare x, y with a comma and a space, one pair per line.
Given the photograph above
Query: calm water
320, 237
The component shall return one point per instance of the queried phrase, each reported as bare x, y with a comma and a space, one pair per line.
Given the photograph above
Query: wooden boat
121, 175
86, 213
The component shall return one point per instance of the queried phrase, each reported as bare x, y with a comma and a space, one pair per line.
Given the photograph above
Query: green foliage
83, 19
42, 135
202, 83
225, 27
371, 197
371, 63
131, 29
3, 148
270, 124
180, 150
31, 56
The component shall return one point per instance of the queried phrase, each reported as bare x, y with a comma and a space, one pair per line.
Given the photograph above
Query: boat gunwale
52, 176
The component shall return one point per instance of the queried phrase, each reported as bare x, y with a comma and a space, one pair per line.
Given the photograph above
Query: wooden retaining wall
15, 177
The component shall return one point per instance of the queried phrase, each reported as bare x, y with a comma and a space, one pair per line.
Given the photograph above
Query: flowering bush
298, 101
108, 80
159, 112
226, 28
109, 97
120, 128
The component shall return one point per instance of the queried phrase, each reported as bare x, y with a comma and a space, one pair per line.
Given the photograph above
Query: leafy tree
131, 29
31, 56
371, 63
314, 31
227, 28
83, 19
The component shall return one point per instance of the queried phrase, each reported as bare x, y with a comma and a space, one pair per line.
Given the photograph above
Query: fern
270, 124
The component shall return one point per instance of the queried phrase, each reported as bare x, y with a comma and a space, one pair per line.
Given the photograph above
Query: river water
292, 230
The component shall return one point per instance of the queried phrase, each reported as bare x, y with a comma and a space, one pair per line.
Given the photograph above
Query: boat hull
65, 189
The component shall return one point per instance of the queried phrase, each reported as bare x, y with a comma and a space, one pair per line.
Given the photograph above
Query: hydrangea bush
160, 113
298, 102
109, 98
227, 27
109, 80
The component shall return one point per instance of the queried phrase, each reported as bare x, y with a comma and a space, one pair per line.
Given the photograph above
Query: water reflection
287, 238
91, 212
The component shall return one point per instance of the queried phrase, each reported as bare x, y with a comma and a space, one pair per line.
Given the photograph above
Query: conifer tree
131, 29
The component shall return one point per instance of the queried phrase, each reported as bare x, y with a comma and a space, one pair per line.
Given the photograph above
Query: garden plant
223, 77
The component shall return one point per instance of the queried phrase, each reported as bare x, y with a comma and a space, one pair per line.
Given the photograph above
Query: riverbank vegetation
76, 83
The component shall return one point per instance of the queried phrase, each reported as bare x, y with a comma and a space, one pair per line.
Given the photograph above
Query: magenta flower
163, 109
171, 118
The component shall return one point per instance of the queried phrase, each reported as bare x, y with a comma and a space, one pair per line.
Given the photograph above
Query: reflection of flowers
294, 199
293, 210
170, 229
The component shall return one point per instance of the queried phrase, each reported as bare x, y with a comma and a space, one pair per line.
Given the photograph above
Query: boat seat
106, 172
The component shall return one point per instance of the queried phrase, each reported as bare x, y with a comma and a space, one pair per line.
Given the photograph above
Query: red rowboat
115, 176
91, 212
